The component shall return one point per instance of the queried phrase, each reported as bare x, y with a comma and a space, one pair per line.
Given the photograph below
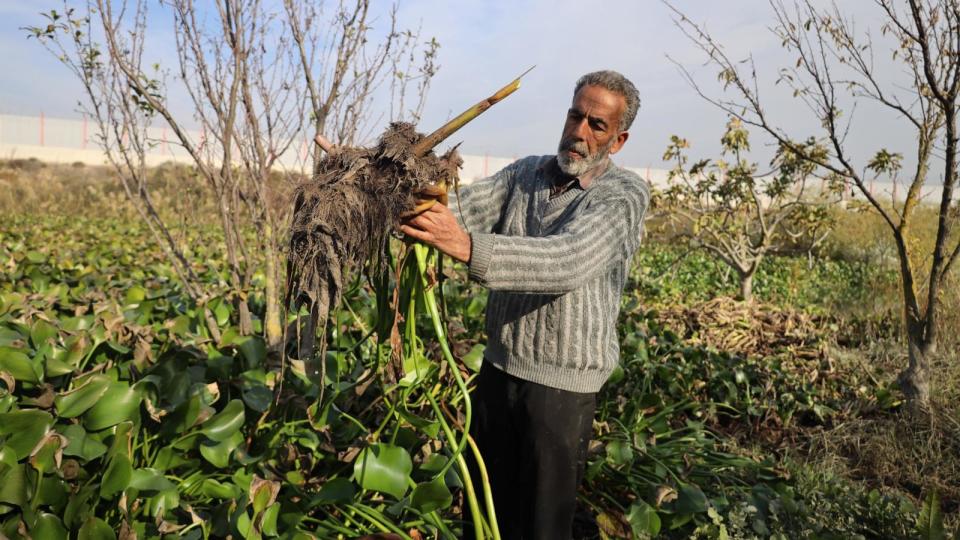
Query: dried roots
342, 218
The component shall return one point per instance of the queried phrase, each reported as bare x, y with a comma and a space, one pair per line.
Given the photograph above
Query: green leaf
619, 452
44, 455
430, 496
24, 429
81, 444
258, 397
336, 490
150, 481
135, 295
217, 490
66, 360
96, 529
120, 403
77, 401
930, 520
385, 468
42, 332
224, 424
643, 519
690, 500
48, 527
18, 364
13, 479
474, 359
268, 523
254, 350
218, 453
117, 476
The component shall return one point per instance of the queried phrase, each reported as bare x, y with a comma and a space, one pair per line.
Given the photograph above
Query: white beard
578, 167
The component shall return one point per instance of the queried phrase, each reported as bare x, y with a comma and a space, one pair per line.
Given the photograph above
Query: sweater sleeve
479, 206
607, 231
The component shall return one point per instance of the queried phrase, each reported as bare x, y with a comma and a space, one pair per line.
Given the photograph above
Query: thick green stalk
424, 257
471, 497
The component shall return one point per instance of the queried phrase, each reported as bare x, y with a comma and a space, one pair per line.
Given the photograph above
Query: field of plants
123, 416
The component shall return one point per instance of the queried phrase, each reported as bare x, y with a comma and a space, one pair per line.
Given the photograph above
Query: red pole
41, 128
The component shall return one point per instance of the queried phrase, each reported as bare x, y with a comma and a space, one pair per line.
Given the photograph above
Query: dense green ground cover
119, 413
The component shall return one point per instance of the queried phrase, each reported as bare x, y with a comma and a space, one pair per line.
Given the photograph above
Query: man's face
591, 131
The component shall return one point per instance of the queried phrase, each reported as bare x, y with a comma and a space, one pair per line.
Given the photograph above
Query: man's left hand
438, 227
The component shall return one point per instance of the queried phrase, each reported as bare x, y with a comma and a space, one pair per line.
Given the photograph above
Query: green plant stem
487, 491
464, 472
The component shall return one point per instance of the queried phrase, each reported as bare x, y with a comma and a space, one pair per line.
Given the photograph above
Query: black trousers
534, 441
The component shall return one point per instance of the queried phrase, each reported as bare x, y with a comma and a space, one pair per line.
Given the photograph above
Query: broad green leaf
619, 452
258, 397
76, 324
385, 468
217, 490
79, 507
150, 481
42, 332
416, 367
690, 500
430, 496
53, 493
24, 429
77, 401
8, 335
13, 479
96, 529
268, 523
222, 312
263, 493
254, 350
643, 519
474, 359
48, 527
17, 363
117, 476
81, 444
431, 428
218, 452
336, 490
225, 423
121, 402
434, 464
66, 360
44, 458
135, 295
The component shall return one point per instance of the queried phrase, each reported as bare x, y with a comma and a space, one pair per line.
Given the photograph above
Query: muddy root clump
343, 216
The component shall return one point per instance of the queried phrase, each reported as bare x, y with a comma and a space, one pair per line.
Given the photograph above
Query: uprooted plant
341, 222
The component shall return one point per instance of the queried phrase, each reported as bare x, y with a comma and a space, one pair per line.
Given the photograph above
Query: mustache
579, 147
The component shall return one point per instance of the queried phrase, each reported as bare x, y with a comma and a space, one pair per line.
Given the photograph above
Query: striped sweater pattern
555, 269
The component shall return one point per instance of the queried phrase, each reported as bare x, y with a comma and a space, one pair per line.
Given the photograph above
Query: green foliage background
120, 417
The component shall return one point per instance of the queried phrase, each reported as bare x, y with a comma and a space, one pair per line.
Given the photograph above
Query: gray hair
618, 84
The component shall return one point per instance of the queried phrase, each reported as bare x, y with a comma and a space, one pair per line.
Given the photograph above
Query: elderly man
551, 237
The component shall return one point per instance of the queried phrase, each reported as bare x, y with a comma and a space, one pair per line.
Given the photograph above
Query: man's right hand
426, 198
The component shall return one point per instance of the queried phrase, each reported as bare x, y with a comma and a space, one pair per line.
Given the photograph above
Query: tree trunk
914, 381
746, 286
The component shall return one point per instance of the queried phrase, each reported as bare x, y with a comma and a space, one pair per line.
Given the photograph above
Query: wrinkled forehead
598, 101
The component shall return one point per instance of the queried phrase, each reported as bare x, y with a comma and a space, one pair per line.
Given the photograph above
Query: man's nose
581, 130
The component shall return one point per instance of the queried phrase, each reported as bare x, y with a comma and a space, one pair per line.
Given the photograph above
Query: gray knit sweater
555, 269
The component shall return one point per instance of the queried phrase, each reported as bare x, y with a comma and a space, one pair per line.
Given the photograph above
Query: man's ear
621, 139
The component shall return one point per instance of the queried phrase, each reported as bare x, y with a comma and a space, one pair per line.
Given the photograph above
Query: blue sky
484, 44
